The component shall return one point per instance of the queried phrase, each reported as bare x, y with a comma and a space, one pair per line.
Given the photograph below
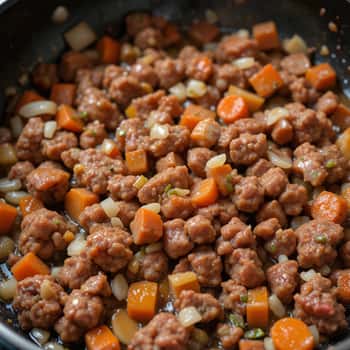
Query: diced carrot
205, 193
343, 284
8, 215
101, 338
109, 50
29, 265
147, 226
330, 206
341, 116
245, 344
183, 281
67, 118
29, 204
266, 35
322, 76
203, 32
77, 199
221, 175
253, 101
193, 114
27, 97
291, 334
142, 300
136, 162
63, 94
258, 308
343, 143
232, 108
267, 81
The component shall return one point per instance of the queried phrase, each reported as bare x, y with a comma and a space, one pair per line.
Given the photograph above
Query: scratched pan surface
27, 33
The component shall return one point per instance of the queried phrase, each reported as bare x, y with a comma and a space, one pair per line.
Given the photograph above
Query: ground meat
206, 133
344, 253
122, 187
76, 270
317, 305
282, 132
297, 63
259, 168
177, 207
154, 267
39, 302
267, 229
200, 67
207, 305
203, 32
210, 98
249, 194
96, 106
71, 62
283, 280
86, 78
248, 148
127, 211
207, 265
95, 169
176, 239
132, 135
245, 267
301, 90
70, 157
93, 135
163, 332
5, 135
233, 297
283, 243
293, 199
110, 72
229, 335
144, 105
270, 210
154, 188
327, 103
233, 46
149, 38
20, 171
250, 125
223, 209
50, 185
200, 230
137, 21
29, 142
171, 105
235, 234
62, 141
108, 247
170, 72
44, 75
336, 164
274, 181
144, 72
227, 134
226, 75
171, 160
197, 159
93, 214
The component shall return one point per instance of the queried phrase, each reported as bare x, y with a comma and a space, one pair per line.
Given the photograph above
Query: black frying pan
27, 33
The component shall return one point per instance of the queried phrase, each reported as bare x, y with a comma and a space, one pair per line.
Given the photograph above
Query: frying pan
28, 34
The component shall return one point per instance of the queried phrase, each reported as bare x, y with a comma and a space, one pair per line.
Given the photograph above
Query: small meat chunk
259, 168
93, 135
270, 210
93, 214
127, 211
267, 228
327, 103
229, 335
223, 210
171, 160
200, 230
283, 243
71, 62
170, 72
293, 199
144, 72
177, 207
297, 63
62, 141
122, 187
145, 105
206, 133
233, 297
249, 194
344, 253
274, 181
210, 99
20, 171
132, 135
226, 75
233, 46
137, 21
5, 135
252, 126
200, 67
197, 158
283, 280
44, 75
282, 132
149, 38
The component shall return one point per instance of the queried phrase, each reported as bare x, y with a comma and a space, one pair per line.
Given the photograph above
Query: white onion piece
282, 161
53, 346
40, 336
16, 125
216, 161
50, 128
243, 33
196, 88
298, 221
116, 222
159, 131
60, 15
7, 246
110, 207
77, 246
123, 326
276, 306
8, 289
55, 271
7, 185
7, 154
189, 316
276, 114
244, 62
182, 192
315, 333
153, 207
35, 108
179, 90
119, 287
295, 44
80, 37
151, 120
153, 248
15, 196
307, 275
268, 344
282, 258
140, 181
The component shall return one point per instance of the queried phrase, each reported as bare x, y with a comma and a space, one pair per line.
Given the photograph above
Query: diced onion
151, 120
282, 258
189, 316
119, 287
325, 270
307, 275
152, 206
7, 154
77, 246
282, 161
276, 306
8, 289
344, 187
55, 271
268, 344
315, 333
7, 185
116, 222
244, 62
80, 37
50, 129
159, 131
7, 246
276, 114
243, 33
134, 266
53, 346
295, 44
182, 192
110, 207
298, 221
196, 88
35, 108
140, 181
179, 90
123, 326
15, 196
60, 15
154, 247
216, 161
40, 336
211, 16
16, 125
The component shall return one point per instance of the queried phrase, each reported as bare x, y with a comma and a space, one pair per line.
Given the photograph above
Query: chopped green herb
83, 115
228, 182
255, 333
92, 132
331, 164
272, 247
322, 239
237, 320
121, 132
167, 188
314, 174
244, 298
56, 221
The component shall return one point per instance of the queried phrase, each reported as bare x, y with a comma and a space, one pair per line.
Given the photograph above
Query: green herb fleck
237, 320
167, 188
56, 221
228, 183
121, 132
83, 115
331, 164
243, 298
314, 174
322, 239
93, 133
255, 333
272, 248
